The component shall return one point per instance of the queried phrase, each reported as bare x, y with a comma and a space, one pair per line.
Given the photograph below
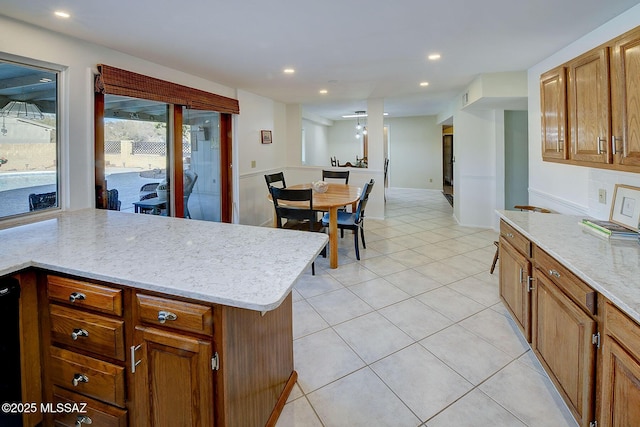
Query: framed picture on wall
625, 209
265, 136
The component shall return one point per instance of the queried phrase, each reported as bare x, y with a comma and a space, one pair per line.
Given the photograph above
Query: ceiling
354, 49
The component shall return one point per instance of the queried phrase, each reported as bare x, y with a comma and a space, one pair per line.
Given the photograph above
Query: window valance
116, 81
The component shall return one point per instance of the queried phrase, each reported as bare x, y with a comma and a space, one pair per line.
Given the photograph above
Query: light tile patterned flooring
414, 334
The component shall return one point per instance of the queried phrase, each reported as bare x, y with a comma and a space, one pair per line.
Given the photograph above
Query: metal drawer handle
554, 273
509, 235
83, 419
77, 296
163, 316
79, 378
79, 333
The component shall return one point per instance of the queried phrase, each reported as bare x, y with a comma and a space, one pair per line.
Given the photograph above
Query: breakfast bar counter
155, 321
235, 265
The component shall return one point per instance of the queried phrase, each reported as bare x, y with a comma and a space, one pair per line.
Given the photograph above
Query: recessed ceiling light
434, 56
323, 91
288, 71
423, 84
61, 14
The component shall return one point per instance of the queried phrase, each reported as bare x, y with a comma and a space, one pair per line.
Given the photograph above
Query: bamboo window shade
115, 81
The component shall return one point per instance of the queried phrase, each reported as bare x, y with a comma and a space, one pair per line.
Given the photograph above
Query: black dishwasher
10, 390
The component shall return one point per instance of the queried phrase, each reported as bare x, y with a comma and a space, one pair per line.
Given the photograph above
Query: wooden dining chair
275, 178
341, 175
354, 221
296, 218
497, 243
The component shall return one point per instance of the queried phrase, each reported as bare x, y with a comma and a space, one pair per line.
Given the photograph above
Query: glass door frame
174, 169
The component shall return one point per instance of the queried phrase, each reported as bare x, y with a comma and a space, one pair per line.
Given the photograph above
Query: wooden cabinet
84, 351
553, 106
144, 359
625, 97
589, 111
620, 370
515, 273
564, 332
171, 371
603, 107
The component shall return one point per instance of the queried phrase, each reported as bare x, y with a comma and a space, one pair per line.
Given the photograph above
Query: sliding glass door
161, 159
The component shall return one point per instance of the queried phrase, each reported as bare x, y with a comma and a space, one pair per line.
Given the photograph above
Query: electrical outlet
602, 196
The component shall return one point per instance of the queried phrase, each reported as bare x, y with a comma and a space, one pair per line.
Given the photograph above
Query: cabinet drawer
517, 240
177, 314
94, 333
84, 294
571, 285
88, 376
93, 412
622, 328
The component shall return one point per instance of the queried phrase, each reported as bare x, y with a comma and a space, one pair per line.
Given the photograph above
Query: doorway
447, 163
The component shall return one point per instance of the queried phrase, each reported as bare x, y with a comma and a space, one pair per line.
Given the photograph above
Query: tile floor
414, 334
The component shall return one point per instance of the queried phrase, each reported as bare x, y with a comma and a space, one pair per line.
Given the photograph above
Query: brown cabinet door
589, 107
562, 339
515, 270
625, 99
173, 379
553, 102
620, 397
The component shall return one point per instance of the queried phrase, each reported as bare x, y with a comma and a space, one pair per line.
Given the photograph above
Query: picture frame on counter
625, 208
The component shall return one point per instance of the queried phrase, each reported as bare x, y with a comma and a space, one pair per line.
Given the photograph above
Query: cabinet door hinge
595, 339
593, 424
215, 362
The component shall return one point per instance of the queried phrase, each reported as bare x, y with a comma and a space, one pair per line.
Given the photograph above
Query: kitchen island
174, 321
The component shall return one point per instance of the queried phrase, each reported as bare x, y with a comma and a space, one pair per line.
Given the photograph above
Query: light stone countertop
609, 266
235, 265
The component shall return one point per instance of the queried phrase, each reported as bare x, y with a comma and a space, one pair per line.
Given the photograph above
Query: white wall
565, 188
316, 143
415, 152
474, 170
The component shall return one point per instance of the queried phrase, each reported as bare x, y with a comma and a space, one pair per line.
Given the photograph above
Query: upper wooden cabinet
602, 120
625, 97
589, 113
553, 105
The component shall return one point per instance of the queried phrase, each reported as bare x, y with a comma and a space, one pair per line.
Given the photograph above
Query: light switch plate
602, 196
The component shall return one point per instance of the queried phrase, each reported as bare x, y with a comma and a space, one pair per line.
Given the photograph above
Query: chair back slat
275, 178
304, 212
336, 175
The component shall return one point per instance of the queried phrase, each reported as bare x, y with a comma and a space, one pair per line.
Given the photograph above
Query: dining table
336, 196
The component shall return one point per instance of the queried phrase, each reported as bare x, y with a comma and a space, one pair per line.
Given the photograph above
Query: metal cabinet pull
163, 316
83, 419
77, 296
510, 235
79, 333
554, 273
134, 362
79, 378
614, 145
599, 142
521, 275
